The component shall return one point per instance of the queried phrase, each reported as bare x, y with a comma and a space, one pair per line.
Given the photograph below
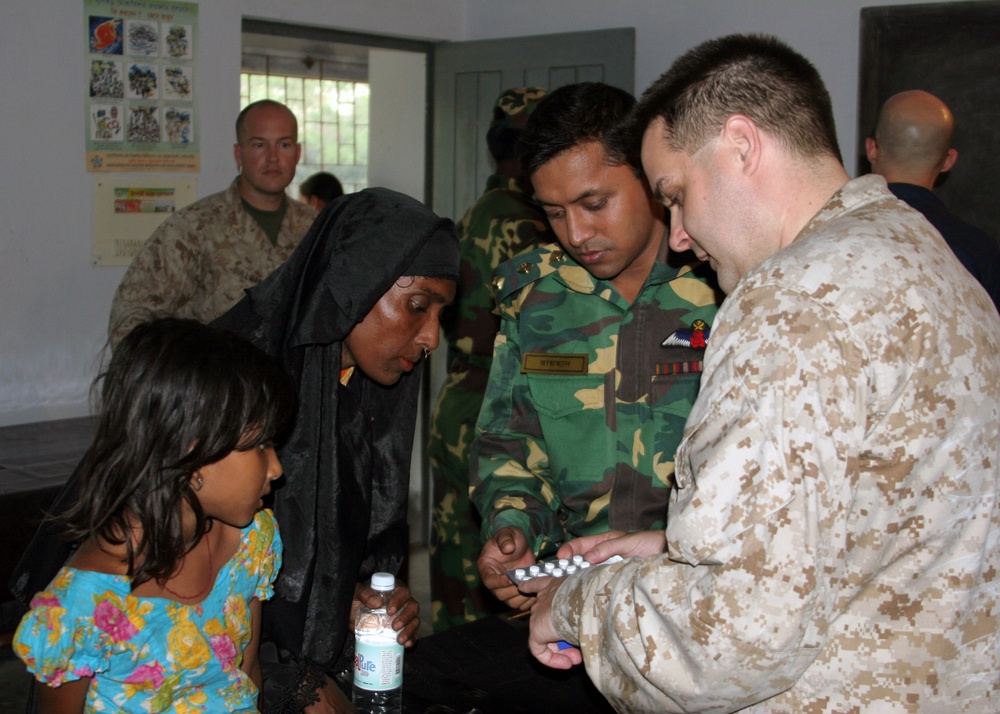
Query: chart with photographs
141, 107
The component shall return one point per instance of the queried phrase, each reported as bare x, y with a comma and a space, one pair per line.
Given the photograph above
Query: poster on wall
141, 105
128, 209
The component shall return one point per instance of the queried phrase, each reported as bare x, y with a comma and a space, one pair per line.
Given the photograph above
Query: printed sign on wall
141, 107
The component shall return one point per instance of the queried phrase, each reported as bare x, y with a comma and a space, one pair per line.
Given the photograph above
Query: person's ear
871, 150
949, 160
741, 134
236, 157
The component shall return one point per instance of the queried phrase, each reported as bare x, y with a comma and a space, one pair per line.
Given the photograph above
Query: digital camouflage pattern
198, 262
592, 448
834, 540
501, 224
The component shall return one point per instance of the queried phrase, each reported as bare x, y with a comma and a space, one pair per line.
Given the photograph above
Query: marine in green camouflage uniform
501, 224
587, 397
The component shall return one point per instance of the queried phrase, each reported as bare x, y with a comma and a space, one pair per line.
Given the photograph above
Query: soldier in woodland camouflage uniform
502, 223
199, 261
833, 544
598, 358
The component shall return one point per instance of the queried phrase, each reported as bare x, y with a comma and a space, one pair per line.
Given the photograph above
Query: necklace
211, 579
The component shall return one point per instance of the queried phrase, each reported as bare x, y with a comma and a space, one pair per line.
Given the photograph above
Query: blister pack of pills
556, 568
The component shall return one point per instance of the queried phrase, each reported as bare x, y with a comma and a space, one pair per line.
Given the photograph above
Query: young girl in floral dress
159, 606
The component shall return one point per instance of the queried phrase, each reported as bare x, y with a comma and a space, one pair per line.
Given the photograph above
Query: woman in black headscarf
350, 314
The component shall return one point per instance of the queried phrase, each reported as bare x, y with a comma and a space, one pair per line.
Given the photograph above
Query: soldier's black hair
323, 185
573, 115
176, 395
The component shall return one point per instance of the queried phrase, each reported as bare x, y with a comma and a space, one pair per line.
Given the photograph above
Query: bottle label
378, 663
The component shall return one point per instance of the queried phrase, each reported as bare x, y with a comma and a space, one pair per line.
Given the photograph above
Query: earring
200, 481
427, 353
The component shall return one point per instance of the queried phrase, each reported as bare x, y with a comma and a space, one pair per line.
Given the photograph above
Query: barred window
330, 101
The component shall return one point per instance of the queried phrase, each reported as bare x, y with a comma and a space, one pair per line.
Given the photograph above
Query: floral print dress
149, 654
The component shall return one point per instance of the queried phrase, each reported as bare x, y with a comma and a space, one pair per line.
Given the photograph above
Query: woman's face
392, 337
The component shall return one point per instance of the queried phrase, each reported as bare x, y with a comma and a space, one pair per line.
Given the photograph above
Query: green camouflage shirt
585, 407
502, 223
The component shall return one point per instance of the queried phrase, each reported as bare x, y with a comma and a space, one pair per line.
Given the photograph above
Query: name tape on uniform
543, 363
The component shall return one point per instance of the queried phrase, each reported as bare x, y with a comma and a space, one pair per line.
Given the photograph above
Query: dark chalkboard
952, 50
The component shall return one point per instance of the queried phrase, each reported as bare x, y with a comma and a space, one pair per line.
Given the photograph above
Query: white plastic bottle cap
383, 581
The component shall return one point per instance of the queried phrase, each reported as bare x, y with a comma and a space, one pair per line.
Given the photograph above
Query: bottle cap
383, 581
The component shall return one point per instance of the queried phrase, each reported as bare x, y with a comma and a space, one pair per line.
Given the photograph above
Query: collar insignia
695, 336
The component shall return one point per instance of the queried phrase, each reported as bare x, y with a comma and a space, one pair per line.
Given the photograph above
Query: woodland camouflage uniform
585, 405
502, 223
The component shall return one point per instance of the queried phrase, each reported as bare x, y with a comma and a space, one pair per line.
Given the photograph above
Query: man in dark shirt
911, 148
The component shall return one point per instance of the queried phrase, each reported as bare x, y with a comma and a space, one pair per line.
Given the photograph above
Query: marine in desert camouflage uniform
198, 262
832, 545
599, 354
502, 223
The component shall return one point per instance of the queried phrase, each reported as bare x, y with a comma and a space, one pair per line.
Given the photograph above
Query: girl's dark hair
177, 395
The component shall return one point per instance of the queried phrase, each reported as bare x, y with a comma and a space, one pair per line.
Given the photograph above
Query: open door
469, 76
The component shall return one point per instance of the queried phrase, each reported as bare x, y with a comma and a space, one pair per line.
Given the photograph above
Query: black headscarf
342, 516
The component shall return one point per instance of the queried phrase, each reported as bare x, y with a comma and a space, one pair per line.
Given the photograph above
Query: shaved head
914, 131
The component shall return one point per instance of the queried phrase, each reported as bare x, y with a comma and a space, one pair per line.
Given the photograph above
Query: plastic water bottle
378, 657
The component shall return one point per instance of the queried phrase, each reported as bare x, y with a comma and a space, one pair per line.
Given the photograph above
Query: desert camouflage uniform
502, 223
834, 540
198, 262
589, 448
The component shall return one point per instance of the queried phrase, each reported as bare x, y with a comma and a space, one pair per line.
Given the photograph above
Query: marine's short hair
757, 76
573, 115
241, 117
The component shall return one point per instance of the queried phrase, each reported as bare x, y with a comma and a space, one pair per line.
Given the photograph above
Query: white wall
825, 31
54, 301
397, 149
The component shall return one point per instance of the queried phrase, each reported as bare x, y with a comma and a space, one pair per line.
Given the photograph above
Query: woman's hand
402, 604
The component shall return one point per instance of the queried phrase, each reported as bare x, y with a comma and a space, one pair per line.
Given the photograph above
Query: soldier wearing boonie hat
501, 224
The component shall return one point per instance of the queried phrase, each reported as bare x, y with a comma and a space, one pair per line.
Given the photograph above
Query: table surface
484, 667
42, 454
